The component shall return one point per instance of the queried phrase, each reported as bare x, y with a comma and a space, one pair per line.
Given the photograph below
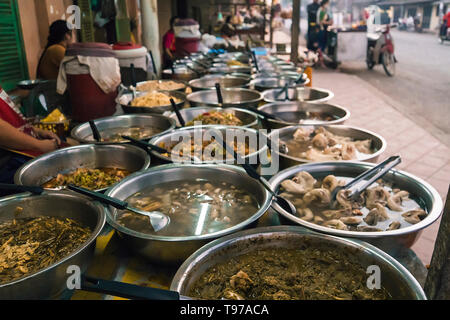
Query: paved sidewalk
422, 154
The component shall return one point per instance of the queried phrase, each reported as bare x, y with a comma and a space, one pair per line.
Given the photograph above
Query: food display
382, 207
310, 273
157, 85
195, 207
153, 99
322, 145
216, 117
209, 150
28, 245
115, 135
93, 179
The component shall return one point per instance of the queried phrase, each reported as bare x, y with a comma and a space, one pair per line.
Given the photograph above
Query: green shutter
87, 21
13, 67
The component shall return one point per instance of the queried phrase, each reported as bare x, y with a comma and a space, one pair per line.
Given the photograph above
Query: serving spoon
378, 171
219, 95
282, 202
95, 131
157, 219
177, 112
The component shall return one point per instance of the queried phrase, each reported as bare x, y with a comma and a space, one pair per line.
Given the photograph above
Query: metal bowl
30, 84
126, 98
174, 250
196, 132
276, 74
262, 84
308, 94
284, 134
52, 281
181, 73
248, 118
396, 279
224, 81
44, 168
232, 97
296, 113
389, 241
231, 69
83, 132
181, 89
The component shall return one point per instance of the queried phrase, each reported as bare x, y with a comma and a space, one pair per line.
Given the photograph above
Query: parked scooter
380, 49
444, 34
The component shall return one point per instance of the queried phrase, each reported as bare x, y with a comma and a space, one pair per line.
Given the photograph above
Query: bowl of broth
203, 202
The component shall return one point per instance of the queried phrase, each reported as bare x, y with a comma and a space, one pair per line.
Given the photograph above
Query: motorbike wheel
388, 62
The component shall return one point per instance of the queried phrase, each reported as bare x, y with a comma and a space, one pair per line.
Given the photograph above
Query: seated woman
16, 134
58, 39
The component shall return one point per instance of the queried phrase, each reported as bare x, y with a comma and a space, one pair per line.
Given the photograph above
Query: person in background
58, 39
228, 30
17, 134
324, 20
169, 44
313, 28
445, 23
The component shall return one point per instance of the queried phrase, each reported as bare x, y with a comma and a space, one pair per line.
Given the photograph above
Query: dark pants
8, 170
313, 38
322, 40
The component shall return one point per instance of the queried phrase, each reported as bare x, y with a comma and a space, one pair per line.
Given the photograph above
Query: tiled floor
422, 154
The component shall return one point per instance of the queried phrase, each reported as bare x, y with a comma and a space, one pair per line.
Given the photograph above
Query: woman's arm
13, 138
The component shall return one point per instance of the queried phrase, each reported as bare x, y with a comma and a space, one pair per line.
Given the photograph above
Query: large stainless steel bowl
263, 84
395, 278
389, 241
208, 83
83, 132
207, 132
294, 113
52, 281
232, 97
181, 73
181, 83
231, 69
174, 250
285, 134
125, 100
248, 118
299, 94
46, 167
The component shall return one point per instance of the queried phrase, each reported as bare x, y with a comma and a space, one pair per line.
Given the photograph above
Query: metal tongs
375, 173
285, 90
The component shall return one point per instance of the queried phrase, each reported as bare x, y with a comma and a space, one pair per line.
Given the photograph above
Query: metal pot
83, 132
262, 84
224, 81
231, 69
125, 99
297, 113
389, 241
51, 281
248, 118
395, 278
181, 73
174, 250
173, 137
299, 94
44, 168
231, 97
181, 89
284, 134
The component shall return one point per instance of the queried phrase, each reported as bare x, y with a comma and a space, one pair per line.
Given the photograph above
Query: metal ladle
95, 131
157, 219
282, 202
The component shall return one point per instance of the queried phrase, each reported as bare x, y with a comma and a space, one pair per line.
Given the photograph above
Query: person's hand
44, 134
47, 145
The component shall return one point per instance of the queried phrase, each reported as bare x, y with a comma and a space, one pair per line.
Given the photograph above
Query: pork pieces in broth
321, 145
381, 207
194, 207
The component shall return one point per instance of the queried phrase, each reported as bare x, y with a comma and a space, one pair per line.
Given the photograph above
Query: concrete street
420, 89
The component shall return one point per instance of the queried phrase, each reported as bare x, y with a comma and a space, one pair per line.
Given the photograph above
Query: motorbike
380, 49
444, 34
